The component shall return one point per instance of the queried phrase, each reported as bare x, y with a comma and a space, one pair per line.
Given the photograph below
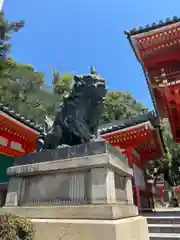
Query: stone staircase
164, 225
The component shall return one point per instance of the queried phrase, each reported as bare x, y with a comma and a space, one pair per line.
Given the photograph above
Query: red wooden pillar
128, 153
135, 189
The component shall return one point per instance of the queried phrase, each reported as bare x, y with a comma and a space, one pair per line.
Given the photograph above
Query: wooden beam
10, 152
28, 147
18, 127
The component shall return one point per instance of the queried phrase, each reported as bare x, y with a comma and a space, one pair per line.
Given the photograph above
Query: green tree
25, 82
169, 166
120, 105
6, 63
25, 92
61, 82
6, 30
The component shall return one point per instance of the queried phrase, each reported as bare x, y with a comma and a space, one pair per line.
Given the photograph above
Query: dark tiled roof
129, 122
151, 27
125, 123
20, 118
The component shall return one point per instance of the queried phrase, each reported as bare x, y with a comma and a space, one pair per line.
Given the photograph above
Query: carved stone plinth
90, 181
90, 173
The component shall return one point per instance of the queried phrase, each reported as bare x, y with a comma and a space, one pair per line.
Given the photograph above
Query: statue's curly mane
84, 94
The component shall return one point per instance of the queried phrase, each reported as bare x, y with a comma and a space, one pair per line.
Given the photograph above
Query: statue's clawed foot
95, 138
39, 145
63, 146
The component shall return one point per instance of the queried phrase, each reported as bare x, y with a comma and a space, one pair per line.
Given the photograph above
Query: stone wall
55, 188
101, 178
120, 186
40, 188
83, 186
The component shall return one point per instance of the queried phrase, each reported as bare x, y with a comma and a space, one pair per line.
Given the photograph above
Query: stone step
163, 220
164, 236
164, 228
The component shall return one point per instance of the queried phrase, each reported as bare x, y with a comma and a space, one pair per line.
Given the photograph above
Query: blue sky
71, 35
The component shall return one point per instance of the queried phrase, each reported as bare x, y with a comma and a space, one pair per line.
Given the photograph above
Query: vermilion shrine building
140, 139
157, 48
17, 137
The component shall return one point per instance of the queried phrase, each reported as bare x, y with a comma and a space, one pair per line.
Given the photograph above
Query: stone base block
134, 228
95, 173
75, 212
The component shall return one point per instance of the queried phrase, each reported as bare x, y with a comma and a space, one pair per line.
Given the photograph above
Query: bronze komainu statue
77, 119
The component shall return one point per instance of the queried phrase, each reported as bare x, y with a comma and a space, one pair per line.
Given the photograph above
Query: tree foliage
61, 82
22, 90
120, 105
13, 227
169, 166
6, 30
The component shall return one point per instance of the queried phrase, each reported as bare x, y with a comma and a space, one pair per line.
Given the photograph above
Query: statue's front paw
63, 146
93, 139
97, 139
39, 145
93, 136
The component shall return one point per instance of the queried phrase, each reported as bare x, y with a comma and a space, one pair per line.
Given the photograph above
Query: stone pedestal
102, 185
91, 181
